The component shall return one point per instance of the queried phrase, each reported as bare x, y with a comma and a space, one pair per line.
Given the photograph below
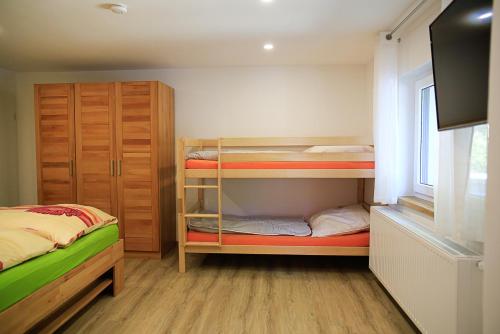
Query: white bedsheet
253, 225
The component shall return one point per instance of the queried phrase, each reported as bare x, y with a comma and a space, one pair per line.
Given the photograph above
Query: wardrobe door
137, 153
54, 106
95, 149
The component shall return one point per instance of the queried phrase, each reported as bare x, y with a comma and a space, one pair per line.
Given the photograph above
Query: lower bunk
343, 245
341, 231
361, 239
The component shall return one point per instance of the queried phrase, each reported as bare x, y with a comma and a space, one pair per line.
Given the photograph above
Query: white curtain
460, 191
385, 120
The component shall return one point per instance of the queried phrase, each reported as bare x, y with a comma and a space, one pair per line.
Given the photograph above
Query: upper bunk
277, 157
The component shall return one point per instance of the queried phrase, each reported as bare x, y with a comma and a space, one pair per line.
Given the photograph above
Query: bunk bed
264, 158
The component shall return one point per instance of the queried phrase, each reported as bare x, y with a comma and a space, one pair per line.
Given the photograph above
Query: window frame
419, 188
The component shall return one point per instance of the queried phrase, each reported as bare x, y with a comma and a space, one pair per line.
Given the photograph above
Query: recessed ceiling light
268, 46
266, 1
485, 16
118, 8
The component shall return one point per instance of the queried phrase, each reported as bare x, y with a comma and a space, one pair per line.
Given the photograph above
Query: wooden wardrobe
111, 146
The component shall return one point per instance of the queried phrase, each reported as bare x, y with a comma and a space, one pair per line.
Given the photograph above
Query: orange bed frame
361, 239
210, 164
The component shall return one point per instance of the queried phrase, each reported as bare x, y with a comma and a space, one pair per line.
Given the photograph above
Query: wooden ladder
217, 215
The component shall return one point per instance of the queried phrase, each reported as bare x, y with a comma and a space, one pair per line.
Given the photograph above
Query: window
425, 137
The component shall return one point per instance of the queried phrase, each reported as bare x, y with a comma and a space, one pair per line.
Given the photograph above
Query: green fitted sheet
22, 280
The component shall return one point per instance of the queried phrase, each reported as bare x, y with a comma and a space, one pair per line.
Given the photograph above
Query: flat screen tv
460, 43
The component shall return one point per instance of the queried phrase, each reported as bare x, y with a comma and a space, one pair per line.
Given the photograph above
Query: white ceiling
82, 35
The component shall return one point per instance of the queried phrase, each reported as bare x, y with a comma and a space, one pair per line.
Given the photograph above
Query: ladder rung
198, 186
201, 215
200, 243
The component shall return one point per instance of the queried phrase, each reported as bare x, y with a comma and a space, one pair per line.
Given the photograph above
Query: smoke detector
118, 8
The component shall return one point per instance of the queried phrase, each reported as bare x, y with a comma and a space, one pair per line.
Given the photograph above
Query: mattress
22, 280
361, 239
210, 164
261, 225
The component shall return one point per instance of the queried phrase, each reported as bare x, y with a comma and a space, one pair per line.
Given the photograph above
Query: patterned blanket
29, 231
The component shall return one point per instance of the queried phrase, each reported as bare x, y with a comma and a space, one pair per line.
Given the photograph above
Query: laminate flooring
245, 294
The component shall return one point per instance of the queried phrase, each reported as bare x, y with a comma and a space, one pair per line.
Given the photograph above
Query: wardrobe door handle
119, 168
71, 168
112, 168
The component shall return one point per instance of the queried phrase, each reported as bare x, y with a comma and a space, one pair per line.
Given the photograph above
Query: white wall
491, 288
8, 139
243, 101
414, 47
414, 63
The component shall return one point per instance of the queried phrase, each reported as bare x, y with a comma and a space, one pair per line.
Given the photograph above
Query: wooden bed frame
183, 174
48, 308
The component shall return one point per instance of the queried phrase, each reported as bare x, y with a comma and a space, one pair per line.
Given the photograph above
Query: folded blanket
18, 245
252, 225
214, 155
203, 155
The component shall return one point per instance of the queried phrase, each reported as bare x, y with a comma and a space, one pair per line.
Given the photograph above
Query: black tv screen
460, 43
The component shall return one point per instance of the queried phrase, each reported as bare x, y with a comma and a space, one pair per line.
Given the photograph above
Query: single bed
43, 292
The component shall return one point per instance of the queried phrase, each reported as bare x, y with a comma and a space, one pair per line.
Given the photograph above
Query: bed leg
118, 277
182, 259
361, 191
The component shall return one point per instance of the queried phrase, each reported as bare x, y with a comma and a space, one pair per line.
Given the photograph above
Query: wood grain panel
137, 151
95, 148
139, 244
54, 107
166, 121
139, 228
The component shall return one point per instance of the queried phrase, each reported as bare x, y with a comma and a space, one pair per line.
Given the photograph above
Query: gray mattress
253, 225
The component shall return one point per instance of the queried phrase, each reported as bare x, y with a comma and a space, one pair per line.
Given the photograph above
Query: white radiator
437, 283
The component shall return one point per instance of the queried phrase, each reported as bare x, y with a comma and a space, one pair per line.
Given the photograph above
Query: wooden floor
245, 294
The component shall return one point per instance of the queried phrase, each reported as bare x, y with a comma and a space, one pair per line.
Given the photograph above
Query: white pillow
338, 149
346, 220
